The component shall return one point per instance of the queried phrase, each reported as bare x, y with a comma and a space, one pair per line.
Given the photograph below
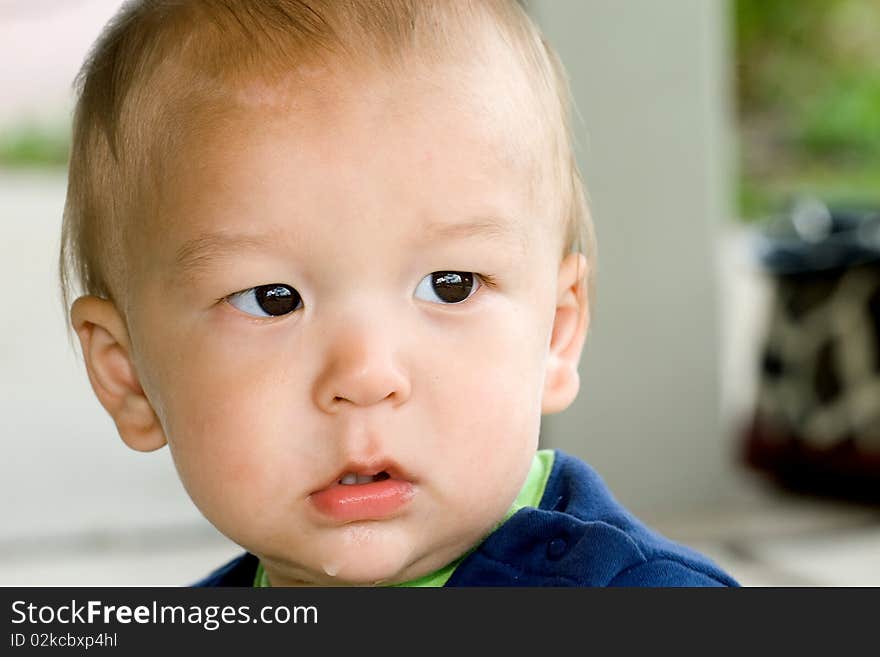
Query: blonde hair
156, 57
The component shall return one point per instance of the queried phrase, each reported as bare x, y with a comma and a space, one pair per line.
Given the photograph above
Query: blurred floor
80, 509
772, 537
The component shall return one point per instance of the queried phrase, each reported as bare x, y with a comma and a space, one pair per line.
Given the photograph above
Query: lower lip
372, 501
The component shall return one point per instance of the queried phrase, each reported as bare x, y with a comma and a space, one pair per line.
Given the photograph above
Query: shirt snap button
556, 548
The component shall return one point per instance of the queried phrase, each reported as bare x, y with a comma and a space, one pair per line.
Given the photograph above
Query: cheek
487, 398
229, 414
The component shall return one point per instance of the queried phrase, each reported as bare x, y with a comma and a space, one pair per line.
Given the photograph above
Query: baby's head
325, 243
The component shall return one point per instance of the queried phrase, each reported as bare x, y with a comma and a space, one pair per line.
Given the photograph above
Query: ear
107, 354
561, 381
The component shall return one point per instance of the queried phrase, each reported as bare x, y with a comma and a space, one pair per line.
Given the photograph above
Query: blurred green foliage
34, 145
843, 119
808, 101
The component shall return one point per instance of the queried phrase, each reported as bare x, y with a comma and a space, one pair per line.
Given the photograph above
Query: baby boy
336, 255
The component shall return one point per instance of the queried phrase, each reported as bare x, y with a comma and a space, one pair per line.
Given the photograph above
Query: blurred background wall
691, 129
651, 81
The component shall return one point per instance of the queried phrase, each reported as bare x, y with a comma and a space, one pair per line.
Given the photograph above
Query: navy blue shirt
578, 536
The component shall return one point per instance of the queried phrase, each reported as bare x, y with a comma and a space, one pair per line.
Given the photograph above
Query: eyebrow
200, 253
487, 227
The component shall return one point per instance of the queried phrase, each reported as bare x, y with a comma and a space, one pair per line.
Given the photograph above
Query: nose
361, 370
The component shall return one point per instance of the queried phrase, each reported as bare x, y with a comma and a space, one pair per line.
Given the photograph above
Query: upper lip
368, 468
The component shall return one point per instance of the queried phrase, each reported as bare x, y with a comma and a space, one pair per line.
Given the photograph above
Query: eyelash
484, 279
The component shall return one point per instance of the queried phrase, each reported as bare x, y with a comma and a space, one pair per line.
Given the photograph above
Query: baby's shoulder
239, 571
581, 536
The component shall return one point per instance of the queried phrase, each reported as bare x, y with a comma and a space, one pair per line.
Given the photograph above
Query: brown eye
271, 300
448, 287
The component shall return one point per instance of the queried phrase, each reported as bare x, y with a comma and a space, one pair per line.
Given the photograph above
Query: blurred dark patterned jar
816, 420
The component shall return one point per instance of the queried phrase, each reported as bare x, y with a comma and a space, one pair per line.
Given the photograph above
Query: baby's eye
271, 300
448, 287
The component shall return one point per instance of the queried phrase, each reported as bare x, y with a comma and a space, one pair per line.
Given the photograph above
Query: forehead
479, 107
431, 145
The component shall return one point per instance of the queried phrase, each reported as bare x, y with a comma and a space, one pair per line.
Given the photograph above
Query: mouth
360, 473
353, 478
364, 492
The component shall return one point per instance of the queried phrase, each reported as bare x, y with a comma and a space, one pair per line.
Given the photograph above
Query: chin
366, 557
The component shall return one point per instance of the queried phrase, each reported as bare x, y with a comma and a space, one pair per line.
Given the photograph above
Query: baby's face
343, 325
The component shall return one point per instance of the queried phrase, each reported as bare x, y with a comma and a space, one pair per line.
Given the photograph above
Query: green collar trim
533, 490
261, 579
529, 496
